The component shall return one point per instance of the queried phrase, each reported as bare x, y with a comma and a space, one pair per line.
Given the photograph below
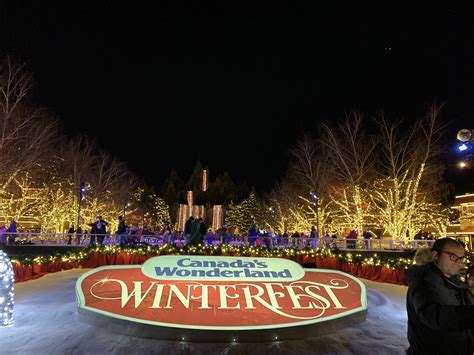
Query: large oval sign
205, 298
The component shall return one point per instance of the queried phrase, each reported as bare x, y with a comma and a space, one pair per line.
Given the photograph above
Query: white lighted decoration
186, 211
6, 290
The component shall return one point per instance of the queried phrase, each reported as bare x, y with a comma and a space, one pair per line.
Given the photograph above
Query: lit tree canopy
241, 216
390, 178
41, 170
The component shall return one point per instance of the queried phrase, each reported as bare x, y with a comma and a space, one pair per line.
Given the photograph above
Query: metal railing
178, 239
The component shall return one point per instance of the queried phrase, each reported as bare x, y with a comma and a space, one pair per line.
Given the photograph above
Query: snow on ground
46, 322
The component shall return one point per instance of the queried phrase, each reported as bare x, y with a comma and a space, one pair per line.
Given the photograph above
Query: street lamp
82, 191
466, 137
127, 204
316, 203
463, 147
272, 211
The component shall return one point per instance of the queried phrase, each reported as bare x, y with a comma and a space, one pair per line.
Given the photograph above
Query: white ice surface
46, 322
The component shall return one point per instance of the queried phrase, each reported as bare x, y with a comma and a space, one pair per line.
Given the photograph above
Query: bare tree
311, 168
351, 152
37, 160
405, 194
111, 180
310, 173
76, 160
283, 198
108, 180
25, 131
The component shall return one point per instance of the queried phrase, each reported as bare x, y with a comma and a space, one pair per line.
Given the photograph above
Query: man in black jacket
98, 229
202, 228
121, 231
439, 319
187, 230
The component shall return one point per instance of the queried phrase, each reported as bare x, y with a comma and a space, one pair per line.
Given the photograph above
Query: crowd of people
195, 232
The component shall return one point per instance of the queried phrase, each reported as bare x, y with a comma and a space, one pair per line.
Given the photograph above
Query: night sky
235, 86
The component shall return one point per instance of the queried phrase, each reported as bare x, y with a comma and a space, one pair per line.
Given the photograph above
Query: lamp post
82, 190
272, 212
466, 137
316, 203
127, 204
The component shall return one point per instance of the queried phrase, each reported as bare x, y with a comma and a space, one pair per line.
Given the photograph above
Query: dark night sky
235, 86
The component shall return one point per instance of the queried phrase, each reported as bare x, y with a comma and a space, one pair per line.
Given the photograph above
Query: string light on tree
243, 215
6, 290
161, 212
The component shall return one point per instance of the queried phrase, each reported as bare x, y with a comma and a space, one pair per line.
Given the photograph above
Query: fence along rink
177, 239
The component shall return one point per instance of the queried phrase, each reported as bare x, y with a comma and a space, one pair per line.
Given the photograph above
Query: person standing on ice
195, 238
70, 233
187, 230
3, 236
440, 320
314, 237
12, 229
101, 226
252, 234
78, 235
121, 232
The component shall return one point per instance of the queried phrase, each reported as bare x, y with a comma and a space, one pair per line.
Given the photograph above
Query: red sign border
85, 309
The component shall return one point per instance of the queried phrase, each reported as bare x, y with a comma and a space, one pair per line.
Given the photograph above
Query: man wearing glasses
439, 318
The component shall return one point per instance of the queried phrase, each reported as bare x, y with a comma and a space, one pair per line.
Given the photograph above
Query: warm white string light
204, 180
6, 290
217, 217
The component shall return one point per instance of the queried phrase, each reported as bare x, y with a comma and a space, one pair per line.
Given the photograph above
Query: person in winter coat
202, 228
78, 235
187, 230
70, 233
121, 232
195, 237
252, 238
101, 229
314, 235
439, 318
223, 234
98, 229
12, 229
3, 235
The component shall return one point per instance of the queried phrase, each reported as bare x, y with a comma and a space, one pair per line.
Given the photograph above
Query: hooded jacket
439, 320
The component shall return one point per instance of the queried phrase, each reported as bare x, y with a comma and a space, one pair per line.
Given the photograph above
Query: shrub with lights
376, 260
